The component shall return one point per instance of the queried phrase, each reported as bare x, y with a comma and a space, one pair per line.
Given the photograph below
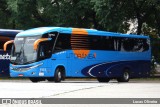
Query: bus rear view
54, 53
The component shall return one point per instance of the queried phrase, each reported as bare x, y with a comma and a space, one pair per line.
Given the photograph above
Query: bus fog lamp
33, 73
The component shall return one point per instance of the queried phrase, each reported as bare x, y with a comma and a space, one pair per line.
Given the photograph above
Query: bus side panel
112, 64
101, 63
75, 64
136, 69
115, 69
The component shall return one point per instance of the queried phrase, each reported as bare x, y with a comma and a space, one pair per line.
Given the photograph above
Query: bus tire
34, 79
103, 79
125, 77
59, 74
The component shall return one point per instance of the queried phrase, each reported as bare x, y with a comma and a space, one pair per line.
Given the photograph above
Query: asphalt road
79, 89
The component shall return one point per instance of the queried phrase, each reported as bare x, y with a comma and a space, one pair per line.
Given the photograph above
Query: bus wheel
125, 77
58, 75
103, 79
34, 79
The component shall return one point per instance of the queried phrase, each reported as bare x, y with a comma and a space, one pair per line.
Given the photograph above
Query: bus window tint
45, 49
117, 43
128, 44
124, 44
145, 45
95, 43
102, 43
134, 45
138, 46
107, 43
62, 43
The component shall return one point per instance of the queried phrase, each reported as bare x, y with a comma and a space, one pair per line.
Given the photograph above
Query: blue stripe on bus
115, 69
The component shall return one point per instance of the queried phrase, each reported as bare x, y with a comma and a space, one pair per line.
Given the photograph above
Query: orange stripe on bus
5, 45
36, 43
78, 36
78, 31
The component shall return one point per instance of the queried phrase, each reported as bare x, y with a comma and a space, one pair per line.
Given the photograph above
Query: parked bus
54, 53
5, 35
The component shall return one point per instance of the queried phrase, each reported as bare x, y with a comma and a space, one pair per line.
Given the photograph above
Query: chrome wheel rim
59, 75
126, 75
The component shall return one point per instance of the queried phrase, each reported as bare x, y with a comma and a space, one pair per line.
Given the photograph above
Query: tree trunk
13, 24
157, 16
95, 23
139, 28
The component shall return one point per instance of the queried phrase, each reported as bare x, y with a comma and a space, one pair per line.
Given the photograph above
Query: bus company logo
81, 55
5, 57
80, 43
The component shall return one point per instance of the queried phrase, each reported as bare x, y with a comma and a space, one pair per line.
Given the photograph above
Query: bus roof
68, 30
9, 32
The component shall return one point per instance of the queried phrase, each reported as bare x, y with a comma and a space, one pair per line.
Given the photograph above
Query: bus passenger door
44, 55
61, 49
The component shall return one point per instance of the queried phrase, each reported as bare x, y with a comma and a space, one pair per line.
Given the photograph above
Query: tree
5, 20
111, 14
114, 15
75, 13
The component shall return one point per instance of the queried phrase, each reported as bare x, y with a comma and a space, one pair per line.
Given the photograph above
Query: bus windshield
22, 51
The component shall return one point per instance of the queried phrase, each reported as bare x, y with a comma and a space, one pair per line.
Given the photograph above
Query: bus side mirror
6, 44
36, 43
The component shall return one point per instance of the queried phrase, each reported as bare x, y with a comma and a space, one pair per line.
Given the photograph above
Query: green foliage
110, 15
5, 22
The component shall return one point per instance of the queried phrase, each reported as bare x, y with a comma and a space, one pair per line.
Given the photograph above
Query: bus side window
62, 43
1, 45
109, 43
102, 43
128, 44
140, 45
117, 44
94, 43
41, 52
45, 50
59, 45
145, 45
4, 40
